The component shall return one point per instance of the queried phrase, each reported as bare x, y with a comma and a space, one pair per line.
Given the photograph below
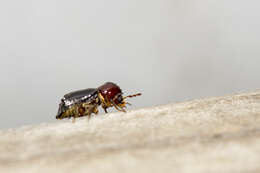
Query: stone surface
208, 135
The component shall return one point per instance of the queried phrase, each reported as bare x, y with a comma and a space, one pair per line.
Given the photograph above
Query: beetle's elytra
85, 102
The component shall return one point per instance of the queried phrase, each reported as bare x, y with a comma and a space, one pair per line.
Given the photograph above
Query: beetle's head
111, 95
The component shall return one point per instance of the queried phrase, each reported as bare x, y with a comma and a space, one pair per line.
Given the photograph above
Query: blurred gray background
169, 50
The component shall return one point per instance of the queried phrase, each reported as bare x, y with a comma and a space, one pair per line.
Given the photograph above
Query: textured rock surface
209, 135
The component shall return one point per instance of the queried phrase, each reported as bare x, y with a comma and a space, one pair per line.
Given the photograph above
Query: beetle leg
119, 109
95, 110
128, 103
105, 109
103, 102
89, 116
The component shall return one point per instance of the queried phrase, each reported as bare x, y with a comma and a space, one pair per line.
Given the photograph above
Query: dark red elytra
109, 90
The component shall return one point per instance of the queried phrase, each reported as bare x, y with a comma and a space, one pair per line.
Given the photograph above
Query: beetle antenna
128, 103
134, 95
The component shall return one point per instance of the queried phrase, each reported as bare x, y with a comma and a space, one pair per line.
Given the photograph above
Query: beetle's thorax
108, 94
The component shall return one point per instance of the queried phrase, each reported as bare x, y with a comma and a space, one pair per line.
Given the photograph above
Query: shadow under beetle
85, 102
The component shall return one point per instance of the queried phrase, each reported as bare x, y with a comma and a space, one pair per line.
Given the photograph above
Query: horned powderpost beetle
85, 102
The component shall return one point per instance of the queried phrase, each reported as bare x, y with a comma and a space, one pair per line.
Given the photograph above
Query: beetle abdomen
71, 102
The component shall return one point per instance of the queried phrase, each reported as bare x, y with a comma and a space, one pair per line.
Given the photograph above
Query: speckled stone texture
202, 136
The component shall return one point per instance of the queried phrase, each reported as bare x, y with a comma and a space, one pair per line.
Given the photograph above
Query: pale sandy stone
209, 135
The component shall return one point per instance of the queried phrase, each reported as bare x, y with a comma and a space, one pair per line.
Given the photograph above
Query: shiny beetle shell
74, 100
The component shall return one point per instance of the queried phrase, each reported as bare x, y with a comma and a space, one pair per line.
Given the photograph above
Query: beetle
85, 102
